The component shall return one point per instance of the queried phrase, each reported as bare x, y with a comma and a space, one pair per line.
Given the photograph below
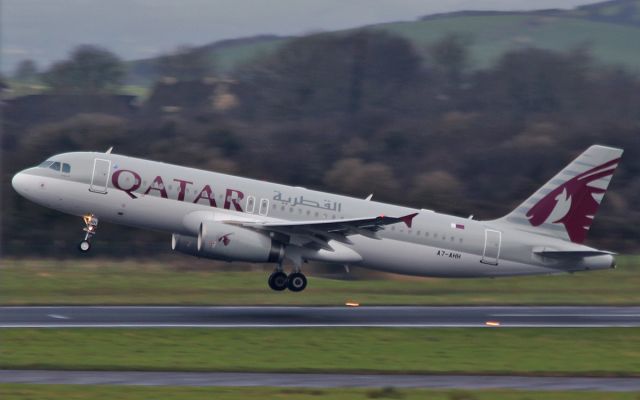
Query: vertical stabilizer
566, 205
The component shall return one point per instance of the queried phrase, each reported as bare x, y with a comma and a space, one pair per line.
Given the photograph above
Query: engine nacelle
184, 244
233, 243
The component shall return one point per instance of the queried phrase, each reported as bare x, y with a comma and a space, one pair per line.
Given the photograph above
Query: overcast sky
45, 30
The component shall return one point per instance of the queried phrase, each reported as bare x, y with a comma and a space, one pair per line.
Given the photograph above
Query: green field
49, 392
184, 280
547, 352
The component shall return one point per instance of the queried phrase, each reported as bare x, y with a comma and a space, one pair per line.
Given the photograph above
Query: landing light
492, 323
352, 304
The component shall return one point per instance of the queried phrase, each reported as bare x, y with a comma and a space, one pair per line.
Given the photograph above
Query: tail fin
566, 205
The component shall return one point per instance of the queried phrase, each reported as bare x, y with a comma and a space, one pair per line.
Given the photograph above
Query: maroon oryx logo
573, 203
224, 239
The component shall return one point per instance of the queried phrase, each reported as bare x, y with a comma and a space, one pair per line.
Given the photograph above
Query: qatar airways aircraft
229, 218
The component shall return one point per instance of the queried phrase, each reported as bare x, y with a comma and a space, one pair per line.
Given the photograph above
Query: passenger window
251, 204
55, 166
66, 168
264, 207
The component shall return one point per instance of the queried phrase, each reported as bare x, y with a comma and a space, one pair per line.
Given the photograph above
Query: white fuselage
174, 199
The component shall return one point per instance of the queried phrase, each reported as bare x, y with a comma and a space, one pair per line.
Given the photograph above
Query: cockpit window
55, 166
46, 164
66, 168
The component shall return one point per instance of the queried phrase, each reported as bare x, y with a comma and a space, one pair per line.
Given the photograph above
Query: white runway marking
57, 316
567, 315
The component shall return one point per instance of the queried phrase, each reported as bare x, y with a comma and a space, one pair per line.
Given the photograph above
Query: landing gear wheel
297, 282
278, 281
84, 246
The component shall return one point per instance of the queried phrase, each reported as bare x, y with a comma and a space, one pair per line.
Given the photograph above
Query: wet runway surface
318, 380
290, 317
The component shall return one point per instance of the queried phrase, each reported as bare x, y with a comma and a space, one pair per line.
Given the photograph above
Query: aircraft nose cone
19, 183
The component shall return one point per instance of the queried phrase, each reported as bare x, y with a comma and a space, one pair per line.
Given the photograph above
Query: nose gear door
100, 175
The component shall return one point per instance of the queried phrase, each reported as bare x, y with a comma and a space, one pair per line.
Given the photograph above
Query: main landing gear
91, 227
295, 282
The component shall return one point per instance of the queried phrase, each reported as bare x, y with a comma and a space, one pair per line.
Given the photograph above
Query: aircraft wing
332, 228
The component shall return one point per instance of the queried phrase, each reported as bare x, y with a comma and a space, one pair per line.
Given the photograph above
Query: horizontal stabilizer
572, 254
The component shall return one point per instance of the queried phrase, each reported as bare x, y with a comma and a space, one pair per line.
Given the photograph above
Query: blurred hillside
611, 30
356, 112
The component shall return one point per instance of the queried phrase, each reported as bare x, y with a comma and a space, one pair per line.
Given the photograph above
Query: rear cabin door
100, 175
492, 241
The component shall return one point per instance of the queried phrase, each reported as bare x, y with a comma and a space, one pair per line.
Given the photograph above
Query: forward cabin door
492, 241
100, 176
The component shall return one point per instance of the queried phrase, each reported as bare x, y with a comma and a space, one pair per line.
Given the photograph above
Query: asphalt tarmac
291, 317
318, 380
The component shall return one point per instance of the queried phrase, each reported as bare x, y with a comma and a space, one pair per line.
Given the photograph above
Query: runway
318, 380
293, 317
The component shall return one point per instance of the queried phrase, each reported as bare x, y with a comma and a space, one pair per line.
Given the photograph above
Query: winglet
408, 219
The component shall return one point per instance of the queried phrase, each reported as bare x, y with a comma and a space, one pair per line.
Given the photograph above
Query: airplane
223, 217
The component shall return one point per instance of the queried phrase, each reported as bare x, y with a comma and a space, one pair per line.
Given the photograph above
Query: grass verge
25, 282
548, 352
82, 392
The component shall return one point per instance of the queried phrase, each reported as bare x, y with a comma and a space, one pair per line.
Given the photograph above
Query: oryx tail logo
224, 239
574, 203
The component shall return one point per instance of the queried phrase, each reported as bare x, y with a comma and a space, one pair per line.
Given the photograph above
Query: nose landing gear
91, 227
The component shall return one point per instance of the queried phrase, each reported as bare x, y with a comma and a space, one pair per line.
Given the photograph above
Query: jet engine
230, 243
184, 244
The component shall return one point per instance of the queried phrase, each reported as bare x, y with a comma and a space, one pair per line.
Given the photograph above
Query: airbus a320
224, 217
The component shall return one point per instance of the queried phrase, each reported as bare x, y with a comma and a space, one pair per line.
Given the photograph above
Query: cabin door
492, 241
100, 175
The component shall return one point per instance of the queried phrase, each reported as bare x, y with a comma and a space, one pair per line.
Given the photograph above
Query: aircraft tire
278, 281
297, 282
84, 246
